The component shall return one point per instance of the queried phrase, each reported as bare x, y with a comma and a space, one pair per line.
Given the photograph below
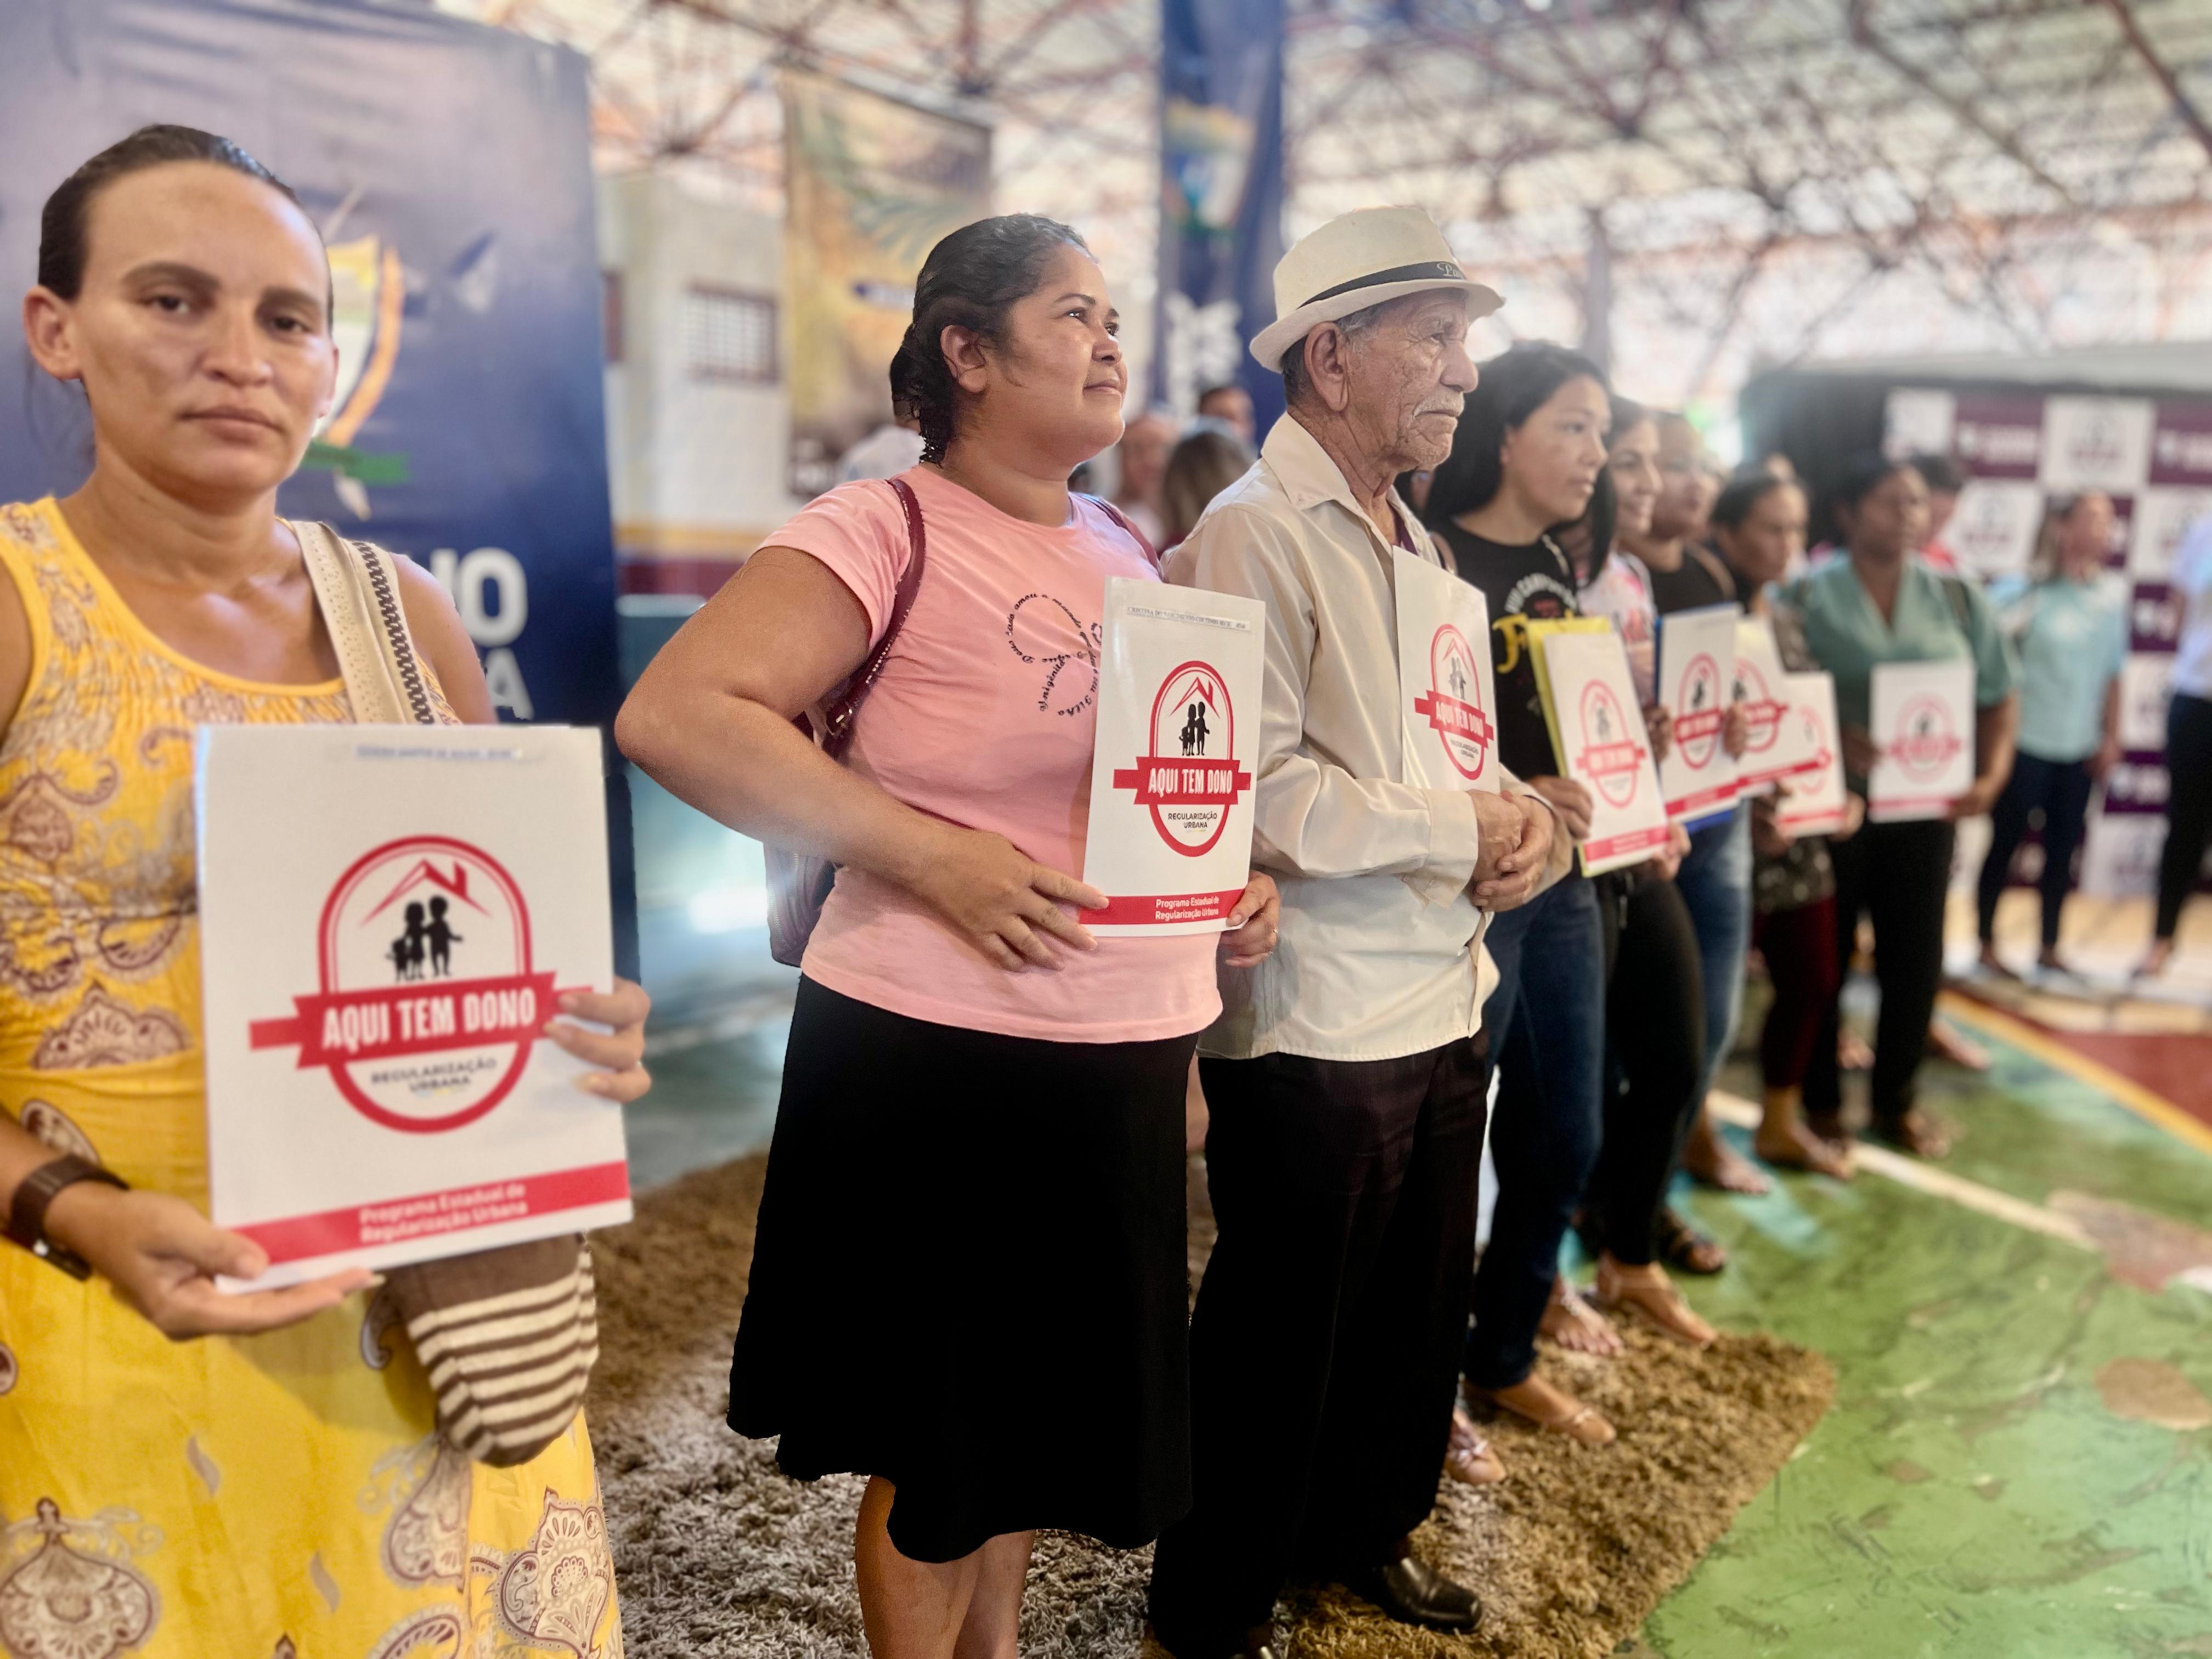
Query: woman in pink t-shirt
968, 1281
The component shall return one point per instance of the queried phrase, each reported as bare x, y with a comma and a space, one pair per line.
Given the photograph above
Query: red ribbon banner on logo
1165, 780
1453, 718
337, 1028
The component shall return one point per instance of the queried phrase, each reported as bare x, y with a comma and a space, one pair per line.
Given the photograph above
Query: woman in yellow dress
274, 1487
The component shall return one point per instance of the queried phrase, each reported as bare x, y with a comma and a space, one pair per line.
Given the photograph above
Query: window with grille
729, 335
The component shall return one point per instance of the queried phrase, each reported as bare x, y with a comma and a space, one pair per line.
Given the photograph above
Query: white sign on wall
2096, 443
1993, 532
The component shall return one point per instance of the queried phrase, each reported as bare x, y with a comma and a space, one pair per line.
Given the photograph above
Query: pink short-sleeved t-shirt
984, 715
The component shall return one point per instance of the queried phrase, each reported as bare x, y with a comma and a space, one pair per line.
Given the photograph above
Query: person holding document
1879, 604
1524, 467
969, 1282
1348, 1073
1759, 527
277, 1484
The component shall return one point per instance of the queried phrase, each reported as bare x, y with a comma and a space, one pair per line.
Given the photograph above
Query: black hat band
1428, 271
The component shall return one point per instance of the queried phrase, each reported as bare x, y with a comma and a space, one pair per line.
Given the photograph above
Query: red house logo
1699, 712
1191, 778
1611, 755
1453, 703
1925, 744
1763, 712
428, 1001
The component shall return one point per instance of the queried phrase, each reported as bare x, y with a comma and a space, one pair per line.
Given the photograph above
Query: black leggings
1896, 874
2060, 791
2188, 804
1655, 1017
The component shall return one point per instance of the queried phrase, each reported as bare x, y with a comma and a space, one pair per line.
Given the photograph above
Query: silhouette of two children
435, 934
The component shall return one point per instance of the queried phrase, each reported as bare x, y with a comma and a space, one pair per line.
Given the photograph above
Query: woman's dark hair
1627, 413
970, 280
1743, 495
1586, 541
1513, 388
1864, 475
1940, 472
63, 226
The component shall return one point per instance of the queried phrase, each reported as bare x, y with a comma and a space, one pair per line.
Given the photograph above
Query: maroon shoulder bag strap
798, 882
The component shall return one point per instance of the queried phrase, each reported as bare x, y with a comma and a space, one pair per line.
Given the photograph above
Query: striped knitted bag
508, 1337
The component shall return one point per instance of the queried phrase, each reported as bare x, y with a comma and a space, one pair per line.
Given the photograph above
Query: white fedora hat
1357, 260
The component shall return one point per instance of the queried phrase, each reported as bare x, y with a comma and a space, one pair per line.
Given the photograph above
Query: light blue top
2070, 638
2192, 587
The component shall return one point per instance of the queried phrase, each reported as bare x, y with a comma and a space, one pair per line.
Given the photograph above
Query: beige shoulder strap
358, 589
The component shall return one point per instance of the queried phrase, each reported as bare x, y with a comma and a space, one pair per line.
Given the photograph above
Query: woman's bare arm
710, 720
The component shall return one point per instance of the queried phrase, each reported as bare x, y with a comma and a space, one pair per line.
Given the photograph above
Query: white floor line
1927, 1178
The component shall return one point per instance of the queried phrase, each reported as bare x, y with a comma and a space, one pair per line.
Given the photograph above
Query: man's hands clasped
1516, 832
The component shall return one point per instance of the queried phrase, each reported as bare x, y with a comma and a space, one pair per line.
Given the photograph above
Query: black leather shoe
1415, 1592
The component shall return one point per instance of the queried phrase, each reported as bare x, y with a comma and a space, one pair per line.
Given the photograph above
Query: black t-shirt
1700, 580
1532, 582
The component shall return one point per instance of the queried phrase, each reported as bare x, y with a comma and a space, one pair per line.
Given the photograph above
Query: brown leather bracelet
27, 1215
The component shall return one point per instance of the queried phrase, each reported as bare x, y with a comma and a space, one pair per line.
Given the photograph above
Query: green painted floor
1988, 1483
1974, 1492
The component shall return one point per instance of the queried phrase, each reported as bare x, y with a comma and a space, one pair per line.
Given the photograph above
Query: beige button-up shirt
1381, 950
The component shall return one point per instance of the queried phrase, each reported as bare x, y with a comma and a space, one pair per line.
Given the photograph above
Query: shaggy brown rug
719, 1554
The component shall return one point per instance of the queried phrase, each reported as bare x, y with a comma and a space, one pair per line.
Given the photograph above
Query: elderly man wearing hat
1348, 1078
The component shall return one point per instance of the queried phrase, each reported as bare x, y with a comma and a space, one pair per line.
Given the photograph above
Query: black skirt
970, 1278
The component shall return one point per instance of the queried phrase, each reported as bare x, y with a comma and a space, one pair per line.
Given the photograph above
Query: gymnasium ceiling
1727, 184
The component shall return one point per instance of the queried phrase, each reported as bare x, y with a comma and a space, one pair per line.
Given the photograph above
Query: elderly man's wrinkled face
1409, 376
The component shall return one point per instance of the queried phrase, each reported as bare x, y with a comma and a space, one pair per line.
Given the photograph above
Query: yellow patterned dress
275, 1497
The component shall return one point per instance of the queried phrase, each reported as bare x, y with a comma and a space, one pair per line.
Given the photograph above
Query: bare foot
1469, 1458
1852, 1054
1992, 963
1647, 1291
1711, 1159
1915, 1132
2154, 964
1550, 1407
1799, 1148
1945, 1043
1575, 1325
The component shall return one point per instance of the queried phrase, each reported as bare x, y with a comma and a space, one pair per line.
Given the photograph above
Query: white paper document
1815, 803
1697, 679
1774, 745
388, 914
1598, 733
1923, 734
1171, 822
1447, 700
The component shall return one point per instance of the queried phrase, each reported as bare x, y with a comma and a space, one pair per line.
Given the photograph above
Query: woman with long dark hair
1879, 604
204, 1473
1655, 987
975, 1189
1526, 458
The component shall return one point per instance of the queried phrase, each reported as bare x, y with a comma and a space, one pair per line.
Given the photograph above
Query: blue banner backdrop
449, 164
1221, 197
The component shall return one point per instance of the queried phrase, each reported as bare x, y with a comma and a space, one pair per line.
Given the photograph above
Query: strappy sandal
1567, 1313
1580, 1423
1647, 1293
1469, 1458
1681, 1245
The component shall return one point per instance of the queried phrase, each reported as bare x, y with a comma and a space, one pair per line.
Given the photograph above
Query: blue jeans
1715, 882
1547, 1026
